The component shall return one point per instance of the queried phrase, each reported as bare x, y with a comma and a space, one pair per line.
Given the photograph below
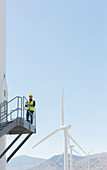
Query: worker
30, 109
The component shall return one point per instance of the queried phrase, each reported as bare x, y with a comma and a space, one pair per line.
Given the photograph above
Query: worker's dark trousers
29, 115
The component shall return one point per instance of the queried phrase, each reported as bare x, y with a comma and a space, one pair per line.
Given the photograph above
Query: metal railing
15, 108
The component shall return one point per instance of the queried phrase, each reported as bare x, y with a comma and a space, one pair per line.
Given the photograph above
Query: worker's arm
30, 104
33, 104
26, 104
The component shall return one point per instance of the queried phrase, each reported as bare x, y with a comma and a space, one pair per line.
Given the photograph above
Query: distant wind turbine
88, 156
65, 128
71, 159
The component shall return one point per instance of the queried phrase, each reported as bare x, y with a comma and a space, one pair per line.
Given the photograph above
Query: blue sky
55, 44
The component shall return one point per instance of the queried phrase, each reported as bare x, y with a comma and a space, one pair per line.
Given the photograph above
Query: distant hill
23, 161
97, 162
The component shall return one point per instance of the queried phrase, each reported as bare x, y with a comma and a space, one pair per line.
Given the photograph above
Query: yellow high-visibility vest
31, 108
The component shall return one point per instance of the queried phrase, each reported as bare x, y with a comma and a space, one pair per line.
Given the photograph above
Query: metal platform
21, 126
13, 122
17, 126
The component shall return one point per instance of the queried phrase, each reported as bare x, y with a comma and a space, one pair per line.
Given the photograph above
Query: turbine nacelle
66, 127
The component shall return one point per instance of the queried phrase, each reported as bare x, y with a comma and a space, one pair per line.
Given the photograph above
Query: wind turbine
65, 128
71, 158
78, 147
67, 136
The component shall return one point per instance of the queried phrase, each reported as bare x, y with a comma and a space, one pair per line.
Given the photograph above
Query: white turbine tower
65, 129
3, 86
65, 136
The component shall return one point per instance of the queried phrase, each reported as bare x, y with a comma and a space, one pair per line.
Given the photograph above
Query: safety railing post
0, 113
17, 106
11, 116
6, 111
23, 106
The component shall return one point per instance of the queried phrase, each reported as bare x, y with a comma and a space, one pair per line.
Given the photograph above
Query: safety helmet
30, 95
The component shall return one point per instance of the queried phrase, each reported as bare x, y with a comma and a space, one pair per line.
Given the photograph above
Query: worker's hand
26, 103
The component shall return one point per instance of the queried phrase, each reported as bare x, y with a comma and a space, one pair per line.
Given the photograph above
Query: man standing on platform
30, 109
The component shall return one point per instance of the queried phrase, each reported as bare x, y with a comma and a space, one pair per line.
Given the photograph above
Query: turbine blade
76, 152
51, 134
77, 144
60, 157
90, 151
63, 107
72, 147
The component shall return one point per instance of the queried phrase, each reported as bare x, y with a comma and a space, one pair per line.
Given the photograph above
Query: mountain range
96, 161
